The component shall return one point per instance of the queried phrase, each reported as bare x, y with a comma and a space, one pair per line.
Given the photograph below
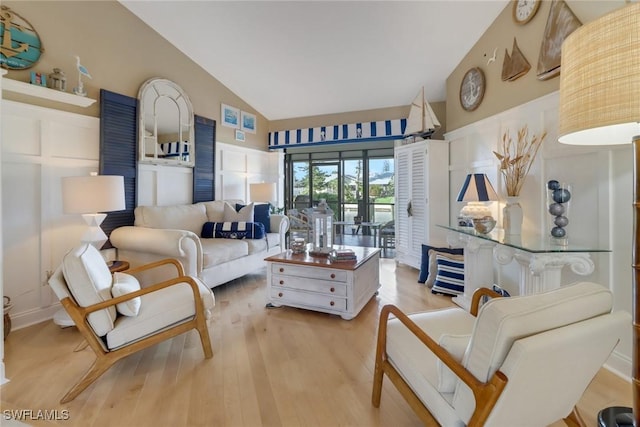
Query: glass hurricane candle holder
558, 204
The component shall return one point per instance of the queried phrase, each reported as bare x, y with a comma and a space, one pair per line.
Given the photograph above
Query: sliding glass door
355, 183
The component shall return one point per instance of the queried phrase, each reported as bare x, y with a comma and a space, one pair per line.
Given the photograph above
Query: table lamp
600, 105
476, 190
264, 192
91, 196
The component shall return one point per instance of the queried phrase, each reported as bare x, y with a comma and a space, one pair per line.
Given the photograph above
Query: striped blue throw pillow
233, 230
450, 277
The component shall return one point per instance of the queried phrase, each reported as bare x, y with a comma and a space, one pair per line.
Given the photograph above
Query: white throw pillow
231, 215
125, 284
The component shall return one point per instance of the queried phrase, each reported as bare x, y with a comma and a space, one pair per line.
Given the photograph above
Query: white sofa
174, 232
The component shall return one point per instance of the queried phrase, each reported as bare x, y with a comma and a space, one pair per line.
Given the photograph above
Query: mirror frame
153, 90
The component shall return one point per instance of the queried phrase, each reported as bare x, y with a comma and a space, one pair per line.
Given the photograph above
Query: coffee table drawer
311, 285
320, 301
311, 273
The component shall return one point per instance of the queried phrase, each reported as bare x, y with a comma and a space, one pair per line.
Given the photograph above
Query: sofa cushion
261, 214
159, 310
244, 214
123, 284
233, 230
177, 217
273, 240
218, 251
257, 245
215, 210
89, 281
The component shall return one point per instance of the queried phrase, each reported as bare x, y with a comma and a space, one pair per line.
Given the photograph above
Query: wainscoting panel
39, 147
601, 192
237, 167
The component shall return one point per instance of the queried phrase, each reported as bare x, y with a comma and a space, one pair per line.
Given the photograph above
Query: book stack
343, 255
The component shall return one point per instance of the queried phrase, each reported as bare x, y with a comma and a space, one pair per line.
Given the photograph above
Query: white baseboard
33, 316
620, 365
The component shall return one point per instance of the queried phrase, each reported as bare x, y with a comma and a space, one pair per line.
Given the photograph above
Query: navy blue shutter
204, 170
118, 151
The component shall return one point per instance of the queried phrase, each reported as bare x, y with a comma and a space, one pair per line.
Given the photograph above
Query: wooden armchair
522, 361
139, 317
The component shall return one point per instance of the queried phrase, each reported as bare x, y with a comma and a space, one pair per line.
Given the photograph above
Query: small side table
116, 266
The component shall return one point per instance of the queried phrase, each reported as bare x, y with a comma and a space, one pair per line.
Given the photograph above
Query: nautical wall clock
472, 89
20, 45
525, 10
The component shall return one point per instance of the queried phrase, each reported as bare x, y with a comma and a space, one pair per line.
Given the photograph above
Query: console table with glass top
541, 259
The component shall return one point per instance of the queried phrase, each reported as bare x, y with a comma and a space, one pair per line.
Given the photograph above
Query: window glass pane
381, 189
325, 184
300, 191
352, 186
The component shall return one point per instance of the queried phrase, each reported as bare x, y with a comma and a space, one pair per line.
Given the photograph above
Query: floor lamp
600, 104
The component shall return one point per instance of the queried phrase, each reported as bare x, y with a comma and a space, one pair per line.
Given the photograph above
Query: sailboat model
515, 65
422, 121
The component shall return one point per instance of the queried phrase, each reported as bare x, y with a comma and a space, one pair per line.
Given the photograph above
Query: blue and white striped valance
338, 134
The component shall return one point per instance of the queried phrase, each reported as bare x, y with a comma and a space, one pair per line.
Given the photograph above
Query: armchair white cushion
520, 351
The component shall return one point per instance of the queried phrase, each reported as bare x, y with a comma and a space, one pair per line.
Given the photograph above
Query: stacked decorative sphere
558, 208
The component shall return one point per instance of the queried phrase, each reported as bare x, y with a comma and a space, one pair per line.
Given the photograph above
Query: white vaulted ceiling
302, 58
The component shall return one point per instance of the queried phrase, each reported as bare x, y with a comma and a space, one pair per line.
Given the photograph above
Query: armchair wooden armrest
477, 298
85, 311
156, 264
486, 394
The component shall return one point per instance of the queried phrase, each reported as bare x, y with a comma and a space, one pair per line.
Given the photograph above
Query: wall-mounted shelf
45, 93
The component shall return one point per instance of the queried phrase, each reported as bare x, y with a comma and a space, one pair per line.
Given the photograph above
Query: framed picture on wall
248, 122
230, 116
239, 135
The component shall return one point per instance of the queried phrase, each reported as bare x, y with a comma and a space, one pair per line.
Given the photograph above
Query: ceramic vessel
512, 216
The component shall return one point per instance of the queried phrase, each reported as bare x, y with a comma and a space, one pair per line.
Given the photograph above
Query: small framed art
248, 122
239, 135
230, 116
38, 79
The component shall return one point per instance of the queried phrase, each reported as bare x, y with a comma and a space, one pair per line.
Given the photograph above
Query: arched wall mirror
165, 119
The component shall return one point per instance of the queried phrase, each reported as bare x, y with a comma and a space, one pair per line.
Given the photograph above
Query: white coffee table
316, 283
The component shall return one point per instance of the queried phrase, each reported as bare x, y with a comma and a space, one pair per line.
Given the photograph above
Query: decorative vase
512, 216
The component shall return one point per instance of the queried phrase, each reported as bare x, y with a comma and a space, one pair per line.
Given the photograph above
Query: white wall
39, 147
600, 210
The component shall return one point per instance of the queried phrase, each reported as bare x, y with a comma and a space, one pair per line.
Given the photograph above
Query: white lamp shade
600, 81
92, 194
263, 192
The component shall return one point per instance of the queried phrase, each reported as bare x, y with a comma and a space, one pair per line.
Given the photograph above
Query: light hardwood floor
271, 367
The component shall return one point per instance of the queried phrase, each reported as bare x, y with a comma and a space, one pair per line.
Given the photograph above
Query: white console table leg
478, 265
540, 272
